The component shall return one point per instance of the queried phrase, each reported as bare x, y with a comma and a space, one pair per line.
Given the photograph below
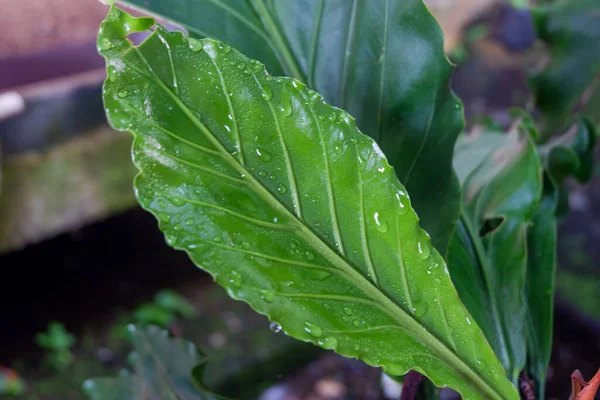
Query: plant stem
412, 381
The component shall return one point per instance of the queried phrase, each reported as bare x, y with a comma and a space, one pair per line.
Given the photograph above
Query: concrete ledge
65, 187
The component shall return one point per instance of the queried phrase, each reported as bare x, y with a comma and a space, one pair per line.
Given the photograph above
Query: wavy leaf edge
402, 317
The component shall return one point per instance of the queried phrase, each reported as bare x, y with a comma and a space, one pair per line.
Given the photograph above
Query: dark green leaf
289, 207
161, 370
381, 60
539, 288
571, 30
570, 154
502, 182
153, 314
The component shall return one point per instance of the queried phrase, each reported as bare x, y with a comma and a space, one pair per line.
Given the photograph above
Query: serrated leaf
161, 370
571, 31
502, 181
289, 207
381, 60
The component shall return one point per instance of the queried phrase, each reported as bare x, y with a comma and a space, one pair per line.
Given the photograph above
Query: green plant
160, 370
279, 196
58, 343
166, 306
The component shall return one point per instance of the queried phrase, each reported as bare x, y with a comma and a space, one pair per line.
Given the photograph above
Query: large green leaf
571, 30
162, 370
502, 181
289, 207
381, 60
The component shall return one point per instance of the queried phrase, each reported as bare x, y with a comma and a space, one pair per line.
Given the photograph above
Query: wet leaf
289, 207
380, 60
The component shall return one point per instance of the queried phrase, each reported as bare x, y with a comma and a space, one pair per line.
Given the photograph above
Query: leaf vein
382, 78
313, 45
286, 155
242, 19
363, 230
258, 222
271, 258
425, 136
407, 295
330, 195
349, 39
172, 134
201, 168
240, 150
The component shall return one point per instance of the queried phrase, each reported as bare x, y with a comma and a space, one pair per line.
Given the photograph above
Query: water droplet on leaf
235, 279
164, 217
263, 154
105, 44
123, 94
267, 296
482, 363
286, 104
328, 343
419, 308
275, 327
313, 329
403, 201
380, 223
423, 244
267, 94
147, 106
281, 188
194, 44
177, 201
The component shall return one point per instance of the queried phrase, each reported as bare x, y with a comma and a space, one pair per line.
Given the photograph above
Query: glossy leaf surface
381, 60
290, 208
571, 30
161, 370
502, 181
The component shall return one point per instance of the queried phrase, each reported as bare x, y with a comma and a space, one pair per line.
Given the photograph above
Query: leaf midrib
278, 39
384, 303
482, 260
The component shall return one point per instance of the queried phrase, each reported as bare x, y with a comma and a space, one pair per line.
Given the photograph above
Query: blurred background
79, 260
